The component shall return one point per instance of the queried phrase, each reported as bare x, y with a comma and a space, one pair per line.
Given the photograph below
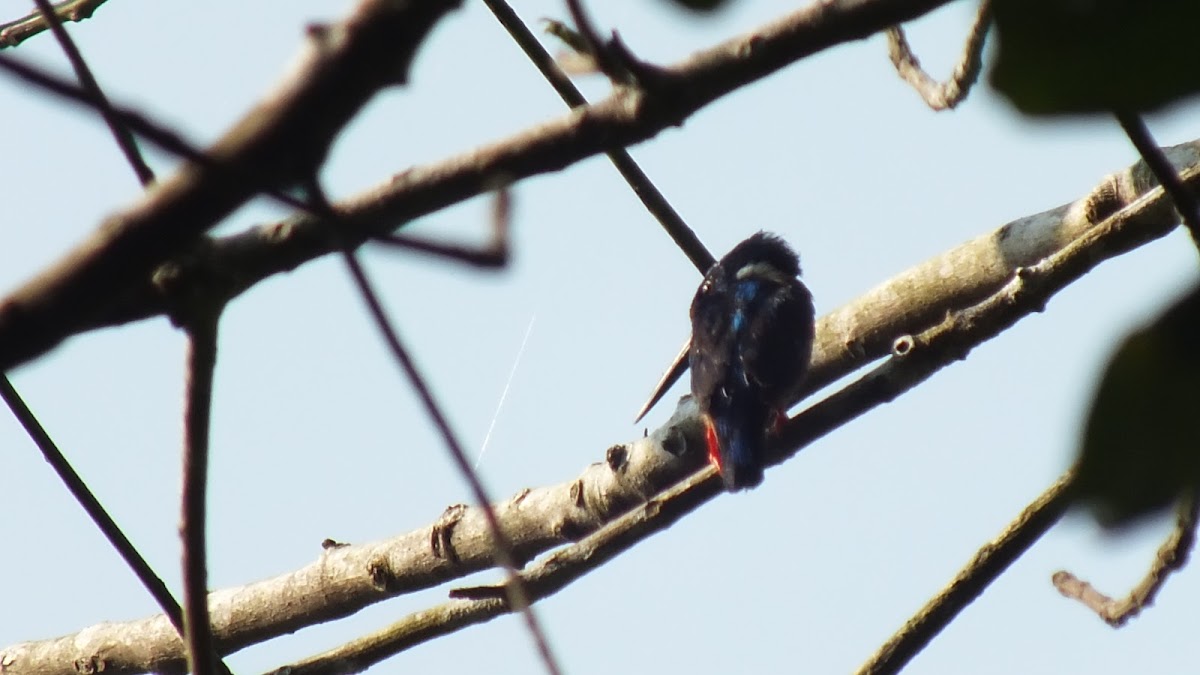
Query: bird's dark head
762, 257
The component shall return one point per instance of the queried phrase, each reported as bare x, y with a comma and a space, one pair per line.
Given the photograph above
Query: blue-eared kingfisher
752, 336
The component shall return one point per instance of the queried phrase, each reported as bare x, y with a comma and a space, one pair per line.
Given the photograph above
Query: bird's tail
739, 451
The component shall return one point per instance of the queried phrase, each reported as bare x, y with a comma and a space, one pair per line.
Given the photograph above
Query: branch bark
108, 279
347, 578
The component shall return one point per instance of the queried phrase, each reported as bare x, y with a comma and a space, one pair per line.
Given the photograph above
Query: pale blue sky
317, 435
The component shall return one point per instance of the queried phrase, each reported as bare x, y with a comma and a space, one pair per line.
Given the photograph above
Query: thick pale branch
543, 579
108, 278
345, 579
863, 331
282, 140
348, 578
917, 358
920, 297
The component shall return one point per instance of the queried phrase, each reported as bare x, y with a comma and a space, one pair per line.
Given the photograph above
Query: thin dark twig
502, 209
1172, 556
108, 527
164, 138
79, 490
577, 61
493, 255
119, 131
654, 201
942, 95
490, 256
202, 360
161, 136
518, 598
649, 194
592, 40
683, 236
196, 628
1185, 200
989, 562
536, 53
14, 33
611, 56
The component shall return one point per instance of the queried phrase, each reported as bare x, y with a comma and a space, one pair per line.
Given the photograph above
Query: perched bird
752, 336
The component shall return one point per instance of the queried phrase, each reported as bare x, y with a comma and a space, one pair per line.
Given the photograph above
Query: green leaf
1141, 444
1072, 56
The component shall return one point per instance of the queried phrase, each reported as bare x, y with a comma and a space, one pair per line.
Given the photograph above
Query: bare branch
517, 596
202, 360
916, 359
611, 56
1172, 556
577, 58
863, 331
286, 136
1117, 216
346, 578
1185, 200
948, 94
920, 296
654, 201
82, 494
246, 258
493, 255
141, 126
988, 564
197, 631
548, 576
281, 141
88, 81
14, 33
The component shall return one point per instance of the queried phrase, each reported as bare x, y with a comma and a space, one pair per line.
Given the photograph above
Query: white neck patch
761, 270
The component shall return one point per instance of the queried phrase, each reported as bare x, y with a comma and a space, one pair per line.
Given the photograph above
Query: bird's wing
778, 346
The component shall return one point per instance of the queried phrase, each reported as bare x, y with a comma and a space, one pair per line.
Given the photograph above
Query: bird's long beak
678, 367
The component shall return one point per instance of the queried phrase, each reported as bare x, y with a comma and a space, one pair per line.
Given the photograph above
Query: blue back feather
742, 444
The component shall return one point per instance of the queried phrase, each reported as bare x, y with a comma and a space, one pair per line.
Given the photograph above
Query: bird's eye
706, 286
